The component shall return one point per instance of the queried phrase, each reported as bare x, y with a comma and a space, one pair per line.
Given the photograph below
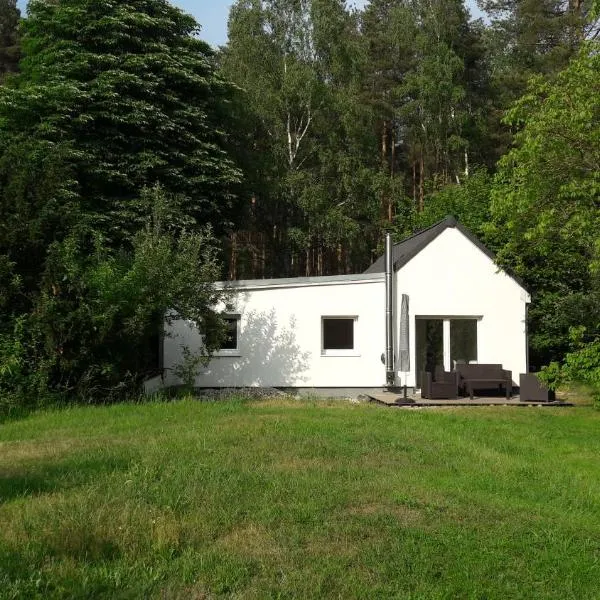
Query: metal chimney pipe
389, 312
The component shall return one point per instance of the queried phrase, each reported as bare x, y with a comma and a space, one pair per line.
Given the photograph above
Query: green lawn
300, 499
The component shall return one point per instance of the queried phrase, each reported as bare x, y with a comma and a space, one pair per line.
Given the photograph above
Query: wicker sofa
484, 377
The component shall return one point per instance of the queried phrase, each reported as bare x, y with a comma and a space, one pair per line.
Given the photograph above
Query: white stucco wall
452, 277
280, 337
280, 326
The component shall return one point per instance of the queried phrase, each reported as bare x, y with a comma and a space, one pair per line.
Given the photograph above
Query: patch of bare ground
189, 592
12, 452
250, 541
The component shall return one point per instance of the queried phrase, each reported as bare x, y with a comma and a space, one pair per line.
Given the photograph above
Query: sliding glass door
444, 342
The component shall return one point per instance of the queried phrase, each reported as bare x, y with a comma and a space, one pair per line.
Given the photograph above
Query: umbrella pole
404, 342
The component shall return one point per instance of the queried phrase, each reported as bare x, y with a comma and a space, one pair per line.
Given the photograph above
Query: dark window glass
429, 340
231, 339
463, 341
338, 334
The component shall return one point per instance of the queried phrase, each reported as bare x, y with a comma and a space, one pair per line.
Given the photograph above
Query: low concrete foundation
155, 385
333, 392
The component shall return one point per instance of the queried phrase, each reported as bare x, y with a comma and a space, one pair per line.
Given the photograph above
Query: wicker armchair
531, 389
441, 385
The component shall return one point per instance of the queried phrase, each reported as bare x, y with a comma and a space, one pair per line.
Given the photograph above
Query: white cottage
337, 335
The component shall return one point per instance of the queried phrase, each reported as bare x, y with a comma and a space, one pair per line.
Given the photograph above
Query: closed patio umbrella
404, 339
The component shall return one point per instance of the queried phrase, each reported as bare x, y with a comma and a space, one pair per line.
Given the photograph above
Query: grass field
300, 499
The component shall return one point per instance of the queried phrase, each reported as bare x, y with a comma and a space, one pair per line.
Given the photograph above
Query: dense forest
138, 165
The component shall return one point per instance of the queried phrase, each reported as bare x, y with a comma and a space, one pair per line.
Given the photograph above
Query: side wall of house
280, 338
452, 277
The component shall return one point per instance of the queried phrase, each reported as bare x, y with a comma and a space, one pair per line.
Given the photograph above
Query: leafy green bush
95, 325
23, 376
580, 366
188, 368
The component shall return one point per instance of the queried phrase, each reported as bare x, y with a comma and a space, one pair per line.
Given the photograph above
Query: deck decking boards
397, 400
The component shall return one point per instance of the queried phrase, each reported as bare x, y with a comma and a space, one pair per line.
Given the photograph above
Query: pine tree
529, 37
389, 28
426, 76
133, 95
9, 42
300, 65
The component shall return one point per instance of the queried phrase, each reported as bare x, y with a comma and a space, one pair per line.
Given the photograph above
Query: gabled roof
410, 247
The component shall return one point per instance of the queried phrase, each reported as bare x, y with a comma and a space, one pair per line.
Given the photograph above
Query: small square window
338, 335
231, 343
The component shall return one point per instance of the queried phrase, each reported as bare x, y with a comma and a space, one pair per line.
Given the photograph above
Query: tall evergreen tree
300, 65
435, 93
9, 41
389, 30
529, 37
133, 93
526, 38
426, 77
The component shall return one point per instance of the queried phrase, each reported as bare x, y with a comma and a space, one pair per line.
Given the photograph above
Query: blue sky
212, 15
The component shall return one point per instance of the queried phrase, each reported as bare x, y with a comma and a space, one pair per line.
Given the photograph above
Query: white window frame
340, 352
232, 351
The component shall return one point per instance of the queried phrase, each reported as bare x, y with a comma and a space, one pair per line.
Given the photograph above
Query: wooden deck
398, 401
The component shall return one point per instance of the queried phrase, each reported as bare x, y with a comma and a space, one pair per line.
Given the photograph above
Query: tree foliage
300, 66
9, 38
527, 38
111, 100
546, 201
132, 97
469, 202
580, 366
95, 323
357, 112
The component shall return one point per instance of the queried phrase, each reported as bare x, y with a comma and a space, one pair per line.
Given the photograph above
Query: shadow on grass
25, 574
47, 477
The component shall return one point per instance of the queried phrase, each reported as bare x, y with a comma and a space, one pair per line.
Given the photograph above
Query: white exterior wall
451, 277
280, 337
280, 327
